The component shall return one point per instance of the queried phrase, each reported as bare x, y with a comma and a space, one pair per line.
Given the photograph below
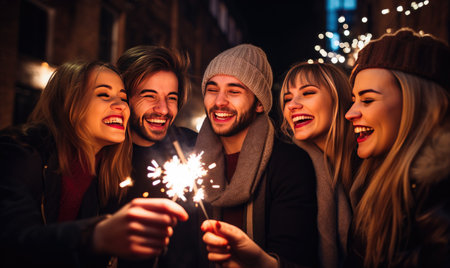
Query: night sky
285, 30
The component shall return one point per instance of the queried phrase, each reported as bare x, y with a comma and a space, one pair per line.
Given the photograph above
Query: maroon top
232, 215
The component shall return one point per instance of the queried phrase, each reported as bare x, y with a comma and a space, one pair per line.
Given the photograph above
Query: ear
259, 107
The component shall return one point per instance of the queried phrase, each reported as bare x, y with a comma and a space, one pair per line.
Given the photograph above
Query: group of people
358, 176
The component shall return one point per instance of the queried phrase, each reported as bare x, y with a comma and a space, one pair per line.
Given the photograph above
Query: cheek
287, 115
139, 106
207, 100
173, 110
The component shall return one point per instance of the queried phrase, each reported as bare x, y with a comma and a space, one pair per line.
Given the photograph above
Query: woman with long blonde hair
314, 98
63, 165
401, 118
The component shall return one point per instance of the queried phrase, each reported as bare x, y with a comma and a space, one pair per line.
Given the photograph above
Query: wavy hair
139, 62
62, 107
384, 215
340, 143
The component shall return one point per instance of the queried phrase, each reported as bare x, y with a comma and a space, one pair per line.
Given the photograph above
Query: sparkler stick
183, 160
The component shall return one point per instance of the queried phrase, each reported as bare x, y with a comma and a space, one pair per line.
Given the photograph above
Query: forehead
302, 77
375, 78
103, 75
225, 80
164, 82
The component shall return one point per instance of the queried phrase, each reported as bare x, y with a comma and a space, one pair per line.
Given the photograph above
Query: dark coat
30, 189
290, 209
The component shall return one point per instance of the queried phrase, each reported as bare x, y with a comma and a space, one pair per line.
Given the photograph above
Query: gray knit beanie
249, 65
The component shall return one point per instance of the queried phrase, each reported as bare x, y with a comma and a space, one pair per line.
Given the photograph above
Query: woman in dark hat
400, 195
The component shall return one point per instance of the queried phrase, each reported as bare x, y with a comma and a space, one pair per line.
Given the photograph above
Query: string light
350, 51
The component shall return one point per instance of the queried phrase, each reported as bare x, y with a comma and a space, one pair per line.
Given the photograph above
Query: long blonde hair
62, 107
340, 143
383, 215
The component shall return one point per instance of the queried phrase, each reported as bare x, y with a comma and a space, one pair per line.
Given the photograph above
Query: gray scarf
253, 159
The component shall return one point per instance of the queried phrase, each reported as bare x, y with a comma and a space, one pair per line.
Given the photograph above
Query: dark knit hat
409, 52
249, 65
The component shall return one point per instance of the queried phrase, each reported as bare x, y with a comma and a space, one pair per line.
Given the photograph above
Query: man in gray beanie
266, 200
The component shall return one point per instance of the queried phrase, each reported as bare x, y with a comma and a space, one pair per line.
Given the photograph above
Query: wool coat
426, 240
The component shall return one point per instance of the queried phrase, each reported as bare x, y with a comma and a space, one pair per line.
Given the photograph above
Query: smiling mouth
222, 116
113, 121
159, 122
300, 120
363, 132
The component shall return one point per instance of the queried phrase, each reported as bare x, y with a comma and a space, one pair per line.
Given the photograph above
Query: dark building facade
39, 35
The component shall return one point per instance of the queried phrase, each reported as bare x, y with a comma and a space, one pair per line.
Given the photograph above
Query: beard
137, 125
241, 122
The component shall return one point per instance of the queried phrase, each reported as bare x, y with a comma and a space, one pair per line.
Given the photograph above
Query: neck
233, 144
320, 142
138, 140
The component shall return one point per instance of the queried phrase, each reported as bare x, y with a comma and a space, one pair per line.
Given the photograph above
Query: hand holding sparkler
231, 247
141, 229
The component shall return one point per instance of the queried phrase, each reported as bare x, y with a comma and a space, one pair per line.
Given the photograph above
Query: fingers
149, 217
230, 232
157, 231
217, 257
214, 240
162, 205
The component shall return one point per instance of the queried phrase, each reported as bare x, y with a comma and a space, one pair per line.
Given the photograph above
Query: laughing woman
314, 99
57, 170
400, 113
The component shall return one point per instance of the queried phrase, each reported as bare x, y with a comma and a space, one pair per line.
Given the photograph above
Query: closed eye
309, 92
106, 95
367, 101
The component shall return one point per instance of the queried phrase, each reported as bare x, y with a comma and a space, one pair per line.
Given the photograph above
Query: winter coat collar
432, 163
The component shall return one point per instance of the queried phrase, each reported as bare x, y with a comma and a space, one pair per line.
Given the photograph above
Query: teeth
113, 120
223, 114
302, 117
362, 129
157, 121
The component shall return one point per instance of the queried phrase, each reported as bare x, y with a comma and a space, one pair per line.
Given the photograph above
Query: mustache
151, 115
223, 109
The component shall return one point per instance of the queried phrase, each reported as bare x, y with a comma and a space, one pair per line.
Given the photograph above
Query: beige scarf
253, 159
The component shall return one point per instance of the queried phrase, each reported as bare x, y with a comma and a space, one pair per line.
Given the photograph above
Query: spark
126, 183
180, 178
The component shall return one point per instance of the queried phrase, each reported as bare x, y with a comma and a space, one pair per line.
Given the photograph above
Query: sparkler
181, 175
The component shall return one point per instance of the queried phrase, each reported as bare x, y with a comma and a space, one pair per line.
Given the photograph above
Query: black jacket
30, 189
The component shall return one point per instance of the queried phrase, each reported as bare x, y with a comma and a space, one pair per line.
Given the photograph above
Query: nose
161, 107
119, 104
353, 113
294, 104
221, 99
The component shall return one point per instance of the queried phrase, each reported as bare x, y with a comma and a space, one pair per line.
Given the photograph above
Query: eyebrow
300, 88
308, 85
156, 92
229, 84
362, 92
104, 85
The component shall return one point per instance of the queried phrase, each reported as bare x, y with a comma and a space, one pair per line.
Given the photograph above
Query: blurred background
39, 35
